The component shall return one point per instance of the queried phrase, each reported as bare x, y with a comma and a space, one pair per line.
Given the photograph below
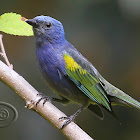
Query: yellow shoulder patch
72, 65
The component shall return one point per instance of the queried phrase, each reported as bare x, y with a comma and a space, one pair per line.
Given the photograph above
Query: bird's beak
32, 22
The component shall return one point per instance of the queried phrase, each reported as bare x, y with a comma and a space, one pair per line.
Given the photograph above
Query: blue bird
70, 74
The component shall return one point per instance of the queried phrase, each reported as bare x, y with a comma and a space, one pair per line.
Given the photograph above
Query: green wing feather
87, 83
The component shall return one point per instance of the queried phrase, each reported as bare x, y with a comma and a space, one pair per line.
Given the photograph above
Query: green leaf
12, 23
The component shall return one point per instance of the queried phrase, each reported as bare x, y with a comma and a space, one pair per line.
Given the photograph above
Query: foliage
12, 23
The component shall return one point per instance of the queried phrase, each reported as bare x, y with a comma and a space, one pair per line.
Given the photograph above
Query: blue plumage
70, 74
52, 66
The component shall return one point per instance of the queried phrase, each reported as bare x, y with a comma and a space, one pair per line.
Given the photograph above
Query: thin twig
3, 53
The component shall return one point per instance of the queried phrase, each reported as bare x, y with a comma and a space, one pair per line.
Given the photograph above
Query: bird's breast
49, 62
52, 66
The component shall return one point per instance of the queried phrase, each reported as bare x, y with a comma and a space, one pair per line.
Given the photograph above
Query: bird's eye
49, 24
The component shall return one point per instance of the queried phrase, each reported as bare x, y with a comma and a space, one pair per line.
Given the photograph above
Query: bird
70, 75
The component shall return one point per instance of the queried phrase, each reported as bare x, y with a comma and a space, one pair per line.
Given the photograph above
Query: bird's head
48, 28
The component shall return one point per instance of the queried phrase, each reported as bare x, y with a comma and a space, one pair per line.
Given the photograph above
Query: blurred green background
106, 32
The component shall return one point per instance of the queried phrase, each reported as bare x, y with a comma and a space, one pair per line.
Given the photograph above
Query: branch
48, 111
3, 53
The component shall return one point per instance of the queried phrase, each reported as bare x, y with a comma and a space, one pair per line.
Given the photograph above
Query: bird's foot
43, 97
68, 120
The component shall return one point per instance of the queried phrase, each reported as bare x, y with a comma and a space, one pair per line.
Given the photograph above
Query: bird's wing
111, 90
82, 61
87, 83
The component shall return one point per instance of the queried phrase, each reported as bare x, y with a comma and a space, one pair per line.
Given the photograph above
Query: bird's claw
63, 118
43, 97
68, 120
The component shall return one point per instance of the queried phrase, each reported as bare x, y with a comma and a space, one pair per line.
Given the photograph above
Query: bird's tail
119, 94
